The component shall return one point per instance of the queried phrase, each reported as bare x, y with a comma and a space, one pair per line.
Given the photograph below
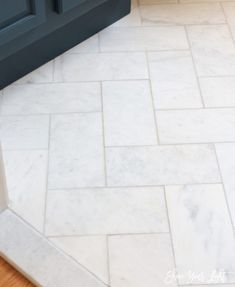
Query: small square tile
76, 151
24, 132
140, 260
128, 113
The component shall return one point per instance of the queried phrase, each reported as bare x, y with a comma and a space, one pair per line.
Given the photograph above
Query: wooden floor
10, 277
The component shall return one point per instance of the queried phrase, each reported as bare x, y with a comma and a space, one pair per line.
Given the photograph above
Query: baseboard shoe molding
37, 258
3, 187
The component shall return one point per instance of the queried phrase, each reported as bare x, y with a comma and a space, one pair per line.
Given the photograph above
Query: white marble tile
37, 257
89, 251
196, 126
173, 80
101, 66
161, 165
128, 113
26, 173
106, 211
229, 10
24, 132
44, 74
226, 158
76, 151
91, 45
213, 50
184, 14
218, 91
143, 38
140, 260
202, 233
51, 98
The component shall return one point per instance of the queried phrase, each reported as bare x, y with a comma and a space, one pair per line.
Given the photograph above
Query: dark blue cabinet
32, 32
20, 16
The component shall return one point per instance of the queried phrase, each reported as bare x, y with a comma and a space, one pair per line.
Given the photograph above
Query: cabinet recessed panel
19, 16
67, 5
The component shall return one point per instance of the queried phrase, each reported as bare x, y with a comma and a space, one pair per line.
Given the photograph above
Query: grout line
225, 194
108, 260
47, 176
171, 144
110, 235
171, 237
48, 114
103, 132
134, 147
152, 99
232, 108
194, 67
134, 186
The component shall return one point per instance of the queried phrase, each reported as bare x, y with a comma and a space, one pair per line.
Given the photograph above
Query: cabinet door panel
19, 16
66, 5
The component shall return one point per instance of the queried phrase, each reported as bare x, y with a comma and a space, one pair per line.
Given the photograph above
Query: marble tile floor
121, 151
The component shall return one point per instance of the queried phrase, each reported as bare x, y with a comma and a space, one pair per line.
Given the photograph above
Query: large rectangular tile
173, 79
226, 158
76, 151
140, 260
143, 38
101, 66
43, 74
34, 255
24, 132
161, 165
218, 91
128, 113
196, 126
184, 14
106, 211
51, 98
26, 173
213, 50
202, 233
